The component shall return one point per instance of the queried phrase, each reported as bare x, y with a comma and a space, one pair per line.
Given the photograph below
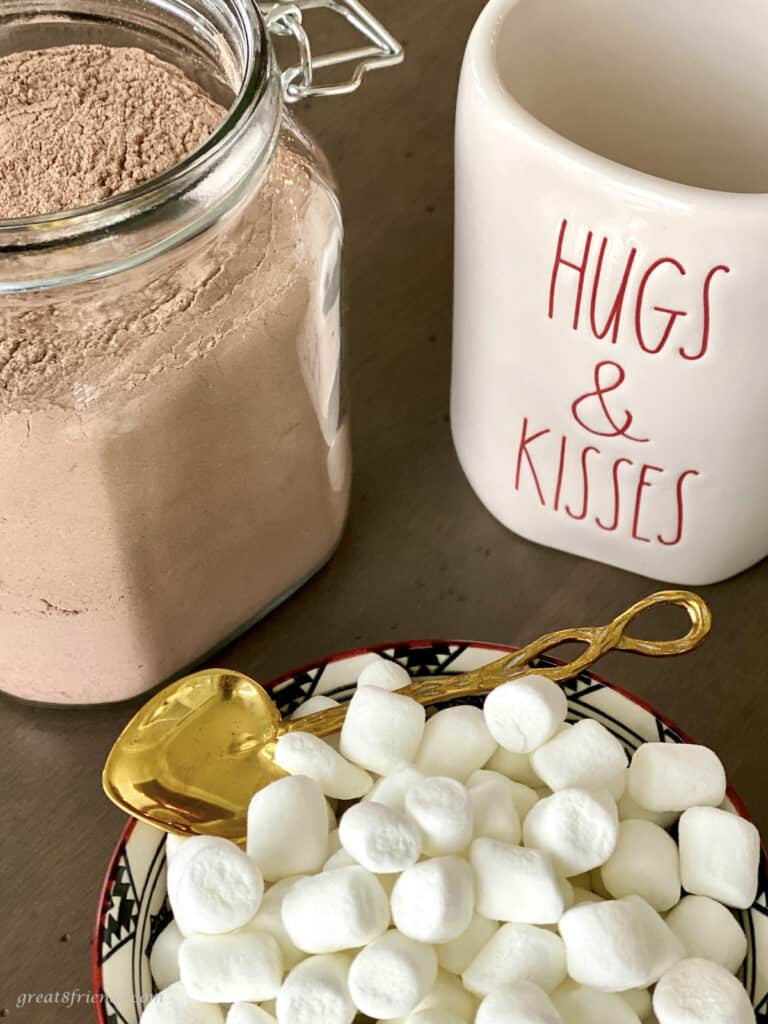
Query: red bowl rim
96, 974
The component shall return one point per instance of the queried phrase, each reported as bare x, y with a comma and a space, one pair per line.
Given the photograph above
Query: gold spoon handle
598, 640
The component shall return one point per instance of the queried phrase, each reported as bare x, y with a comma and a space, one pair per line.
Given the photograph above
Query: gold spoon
191, 759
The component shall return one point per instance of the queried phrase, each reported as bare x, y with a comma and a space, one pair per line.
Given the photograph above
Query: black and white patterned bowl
133, 908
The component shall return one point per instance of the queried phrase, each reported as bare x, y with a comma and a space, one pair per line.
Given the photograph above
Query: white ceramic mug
610, 380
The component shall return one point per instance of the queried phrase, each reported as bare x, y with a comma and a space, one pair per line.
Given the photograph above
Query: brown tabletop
420, 558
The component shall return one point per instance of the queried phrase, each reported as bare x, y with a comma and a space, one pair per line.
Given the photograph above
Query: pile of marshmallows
497, 866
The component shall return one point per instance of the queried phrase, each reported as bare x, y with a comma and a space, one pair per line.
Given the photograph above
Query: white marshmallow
628, 808
523, 1003
675, 776
386, 675
244, 967
392, 975
523, 797
585, 756
382, 839
339, 859
516, 767
577, 827
288, 827
719, 856
213, 888
617, 785
699, 992
457, 955
164, 958
248, 1013
515, 884
517, 952
391, 789
301, 753
433, 901
618, 944
494, 811
638, 1000
269, 919
314, 704
456, 743
645, 863
185, 851
709, 932
174, 1006
443, 811
381, 729
524, 713
316, 992
435, 1016
578, 1004
173, 844
336, 910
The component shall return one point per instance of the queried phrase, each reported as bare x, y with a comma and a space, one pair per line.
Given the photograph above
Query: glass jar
174, 442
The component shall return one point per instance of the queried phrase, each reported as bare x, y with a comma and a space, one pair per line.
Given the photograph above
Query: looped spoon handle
599, 640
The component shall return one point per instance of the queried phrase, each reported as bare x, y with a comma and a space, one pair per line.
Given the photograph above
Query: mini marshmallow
618, 944
457, 955
185, 851
617, 784
516, 767
699, 992
269, 919
709, 932
173, 844
645, 863
339, 859
443, 811
523, 797
213, 888
386, 675
336, 910
164, 958
301, 753
316, 992
174, 1006
448, 996
577, 827
433, 901
524, 713
248, 1013
382, 839
629, 809
456, 743
288, 827
517, 952
719, 856
638, 1000
391, 789
493, 809
675, 776
585, 756
523, 1003
392, 975
578, 1004
381, 729
515, 884
244, 967
314, 704
435, 1016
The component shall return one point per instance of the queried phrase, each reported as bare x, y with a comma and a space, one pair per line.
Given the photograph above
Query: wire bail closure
287, 19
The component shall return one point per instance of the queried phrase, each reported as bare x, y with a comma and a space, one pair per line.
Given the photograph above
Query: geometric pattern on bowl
133, 908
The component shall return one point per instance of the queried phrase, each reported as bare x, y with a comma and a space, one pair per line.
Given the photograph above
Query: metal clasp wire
286, 19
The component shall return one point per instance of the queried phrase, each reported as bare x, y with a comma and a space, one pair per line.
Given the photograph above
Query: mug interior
673, 88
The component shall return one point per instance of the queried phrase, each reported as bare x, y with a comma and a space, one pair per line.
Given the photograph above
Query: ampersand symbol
603, 387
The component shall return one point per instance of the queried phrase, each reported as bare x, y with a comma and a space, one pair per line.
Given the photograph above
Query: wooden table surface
420, 558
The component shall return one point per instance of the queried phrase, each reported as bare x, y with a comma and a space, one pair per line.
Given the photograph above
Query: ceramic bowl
133, 908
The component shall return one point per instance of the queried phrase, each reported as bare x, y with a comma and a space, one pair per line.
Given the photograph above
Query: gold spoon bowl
190, 760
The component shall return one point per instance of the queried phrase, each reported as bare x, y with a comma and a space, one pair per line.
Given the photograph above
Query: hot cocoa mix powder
79, 124
173, 456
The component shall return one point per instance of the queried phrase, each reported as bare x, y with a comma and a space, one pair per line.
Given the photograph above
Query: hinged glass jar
174, 445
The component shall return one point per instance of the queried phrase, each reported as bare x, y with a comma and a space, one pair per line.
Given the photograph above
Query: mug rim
481, 52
